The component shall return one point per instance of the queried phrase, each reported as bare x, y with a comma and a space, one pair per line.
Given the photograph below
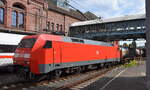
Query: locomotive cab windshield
27, 43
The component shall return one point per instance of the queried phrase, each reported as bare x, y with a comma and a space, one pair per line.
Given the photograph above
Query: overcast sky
110, 8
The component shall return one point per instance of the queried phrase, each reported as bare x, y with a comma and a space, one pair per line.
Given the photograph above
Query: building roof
117, 19
90, 15
71, 12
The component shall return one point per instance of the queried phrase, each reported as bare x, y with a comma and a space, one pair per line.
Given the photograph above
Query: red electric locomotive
39, 55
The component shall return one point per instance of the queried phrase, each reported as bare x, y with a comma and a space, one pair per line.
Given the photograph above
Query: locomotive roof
85, 41
74, 40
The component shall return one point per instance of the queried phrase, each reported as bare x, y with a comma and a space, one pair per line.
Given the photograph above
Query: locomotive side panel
57, 53
114, 52
42, 56
76, 54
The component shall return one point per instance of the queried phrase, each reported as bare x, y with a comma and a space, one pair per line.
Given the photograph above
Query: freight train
43, 55
131, 51
8, 45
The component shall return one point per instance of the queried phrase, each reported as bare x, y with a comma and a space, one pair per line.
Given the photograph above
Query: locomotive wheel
107, 65
99, 66
23, 75
79, 70
57, 73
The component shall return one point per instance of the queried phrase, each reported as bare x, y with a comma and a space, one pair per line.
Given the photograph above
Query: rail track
63, 83
8, 79
11, 82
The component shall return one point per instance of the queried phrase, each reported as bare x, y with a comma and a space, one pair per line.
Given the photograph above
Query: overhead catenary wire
79, 5
77, 10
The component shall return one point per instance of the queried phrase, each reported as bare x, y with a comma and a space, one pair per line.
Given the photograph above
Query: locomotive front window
27, 43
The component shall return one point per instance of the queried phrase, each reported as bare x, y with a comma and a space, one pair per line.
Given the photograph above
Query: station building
38, 16
26, 17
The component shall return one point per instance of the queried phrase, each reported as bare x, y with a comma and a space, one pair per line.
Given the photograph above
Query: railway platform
131, 78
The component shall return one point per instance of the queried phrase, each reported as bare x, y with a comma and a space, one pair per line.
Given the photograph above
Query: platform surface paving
131, 78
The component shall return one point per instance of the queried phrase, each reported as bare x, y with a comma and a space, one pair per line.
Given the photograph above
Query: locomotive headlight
14, 61
26, 55
27, 62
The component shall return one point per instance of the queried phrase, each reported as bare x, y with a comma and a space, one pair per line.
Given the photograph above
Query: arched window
2, 7
57, 27
14, 19
48, 26
61, 28
52, 27
21, 19
18, 16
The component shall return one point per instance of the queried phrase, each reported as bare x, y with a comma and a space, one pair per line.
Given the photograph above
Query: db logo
97, 52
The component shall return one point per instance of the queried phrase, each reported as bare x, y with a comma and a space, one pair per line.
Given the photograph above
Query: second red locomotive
40, 55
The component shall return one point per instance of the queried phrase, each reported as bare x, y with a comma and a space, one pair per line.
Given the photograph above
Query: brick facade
38, 16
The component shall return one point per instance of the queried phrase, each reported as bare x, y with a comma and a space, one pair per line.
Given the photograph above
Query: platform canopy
109, 20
